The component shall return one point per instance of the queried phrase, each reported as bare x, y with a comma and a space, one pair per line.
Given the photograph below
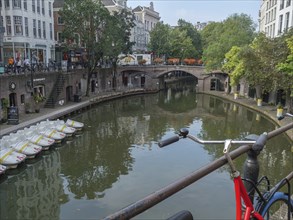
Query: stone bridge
159, 72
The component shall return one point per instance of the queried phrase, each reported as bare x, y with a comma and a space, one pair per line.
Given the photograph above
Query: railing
162, 194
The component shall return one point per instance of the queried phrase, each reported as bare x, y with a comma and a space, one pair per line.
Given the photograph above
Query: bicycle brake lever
227, 146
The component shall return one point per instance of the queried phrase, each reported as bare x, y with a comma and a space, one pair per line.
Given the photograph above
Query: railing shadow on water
163, 193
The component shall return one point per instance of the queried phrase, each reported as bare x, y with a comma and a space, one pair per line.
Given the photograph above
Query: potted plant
142, 62
38, 98
27, 107
279, 110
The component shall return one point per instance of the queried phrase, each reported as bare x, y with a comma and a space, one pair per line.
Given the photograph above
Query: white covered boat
19, 144
10, 158
2, 169
33, 136
75, 124
51, 133
27, 148
60, 125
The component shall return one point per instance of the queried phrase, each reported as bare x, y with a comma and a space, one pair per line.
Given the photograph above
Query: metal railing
163, 193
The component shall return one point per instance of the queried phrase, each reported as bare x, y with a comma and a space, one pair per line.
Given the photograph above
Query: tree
260, 60
159, 39
233, 65
100, 33
219, 38
194, 36
181, 44
117, 40
286, 69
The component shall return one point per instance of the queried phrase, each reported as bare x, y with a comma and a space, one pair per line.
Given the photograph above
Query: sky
199, 10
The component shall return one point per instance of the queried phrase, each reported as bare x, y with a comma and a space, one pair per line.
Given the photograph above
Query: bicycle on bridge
251, 203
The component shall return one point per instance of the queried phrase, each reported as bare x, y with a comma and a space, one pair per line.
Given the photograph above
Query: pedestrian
18, 65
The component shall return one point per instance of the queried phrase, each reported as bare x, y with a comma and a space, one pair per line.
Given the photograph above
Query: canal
116, 161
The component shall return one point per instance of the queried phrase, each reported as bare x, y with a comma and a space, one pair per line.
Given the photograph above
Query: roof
58, 3
108, 3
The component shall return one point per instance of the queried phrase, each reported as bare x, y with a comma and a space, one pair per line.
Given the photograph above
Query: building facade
275, 17
28, 29
146, 19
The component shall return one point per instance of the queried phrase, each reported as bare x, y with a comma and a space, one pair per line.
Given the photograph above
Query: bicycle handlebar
183, 133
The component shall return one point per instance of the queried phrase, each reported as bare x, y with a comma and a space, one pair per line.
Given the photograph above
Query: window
7, 5
44, 30
8, 26
282, 4
39, 29
38, 6
43, 7
34, 5
60, 20
59, 37
35, 27
16, 3
17, 25
25, 4
22, 99
26, 26
280, 24
288, 3
50, 9
287, 21
51, 31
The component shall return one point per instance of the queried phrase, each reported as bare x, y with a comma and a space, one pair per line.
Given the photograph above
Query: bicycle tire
277, 207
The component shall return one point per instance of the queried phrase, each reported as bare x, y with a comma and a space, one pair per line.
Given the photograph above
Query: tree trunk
289, 101
88, 82
258, 91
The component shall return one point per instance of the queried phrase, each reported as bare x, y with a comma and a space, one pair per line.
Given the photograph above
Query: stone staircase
57, 89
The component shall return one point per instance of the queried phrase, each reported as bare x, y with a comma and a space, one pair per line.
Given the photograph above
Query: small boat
10, 158
19, 144
2, 169
27, 148
75, 124
41, 140
51, 132
60, 125
33, 136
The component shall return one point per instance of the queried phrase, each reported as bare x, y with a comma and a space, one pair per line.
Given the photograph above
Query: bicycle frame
240, 190
241, 193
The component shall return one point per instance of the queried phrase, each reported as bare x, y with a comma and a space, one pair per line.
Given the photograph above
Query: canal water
116, 161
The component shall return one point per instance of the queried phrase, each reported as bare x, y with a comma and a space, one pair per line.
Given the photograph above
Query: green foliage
219, 38
159, 39
182, 42
286, 67
233, 65
38, 98
104, 36
194, 35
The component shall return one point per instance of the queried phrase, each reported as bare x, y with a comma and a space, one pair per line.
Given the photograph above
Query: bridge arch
157, 73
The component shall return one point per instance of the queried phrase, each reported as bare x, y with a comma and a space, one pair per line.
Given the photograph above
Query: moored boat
51, 133
19, 144
75, 124
10, 158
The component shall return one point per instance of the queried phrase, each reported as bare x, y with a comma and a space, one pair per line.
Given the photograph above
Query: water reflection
35, 192
116, 160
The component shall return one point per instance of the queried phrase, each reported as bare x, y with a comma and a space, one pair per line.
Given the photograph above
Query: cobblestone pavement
48, 113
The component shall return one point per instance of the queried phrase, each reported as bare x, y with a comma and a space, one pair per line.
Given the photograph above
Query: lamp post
2, 30
32, 78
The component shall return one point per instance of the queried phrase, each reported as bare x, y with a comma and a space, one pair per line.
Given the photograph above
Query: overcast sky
199, 10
